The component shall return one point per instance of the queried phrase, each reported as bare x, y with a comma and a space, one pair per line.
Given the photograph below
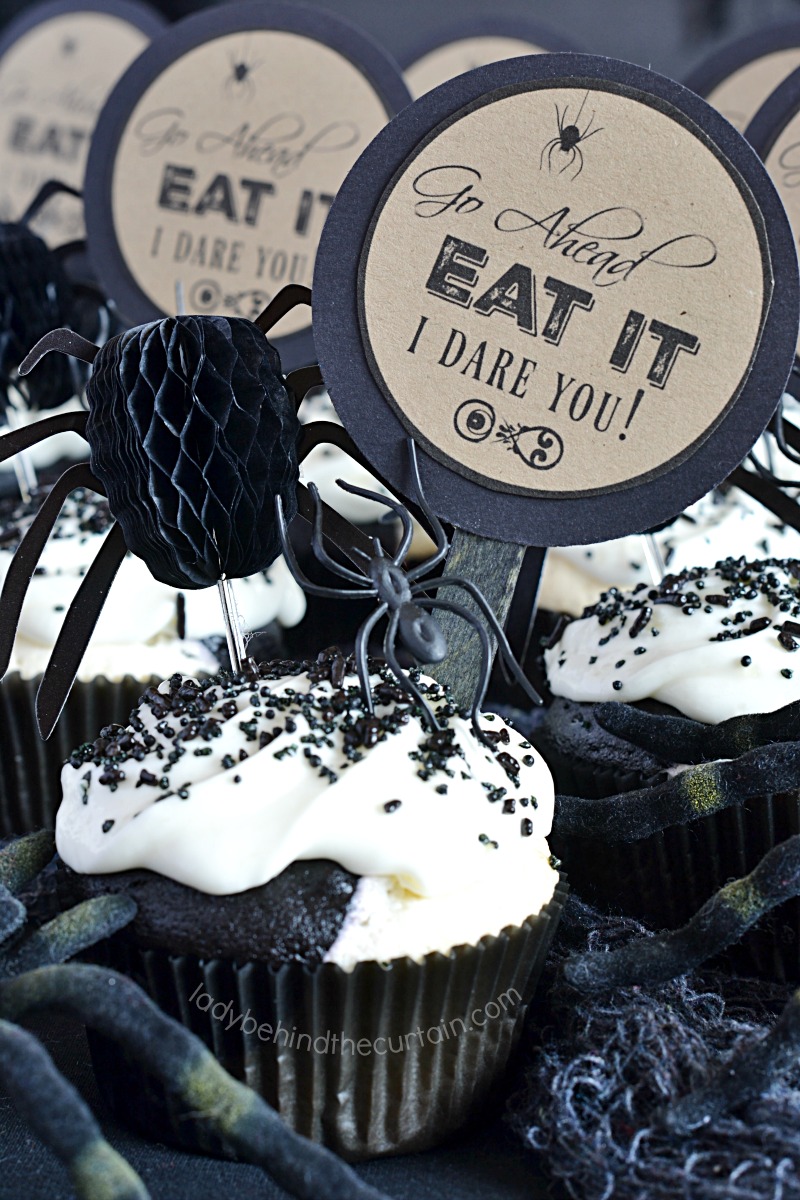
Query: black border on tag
501, 26
762, 133
320, 25
473, 506
140, 15
711, 71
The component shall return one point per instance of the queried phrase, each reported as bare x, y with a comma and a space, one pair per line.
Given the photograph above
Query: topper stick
233, 623
494, 567
24, 469
180, 298
653, 557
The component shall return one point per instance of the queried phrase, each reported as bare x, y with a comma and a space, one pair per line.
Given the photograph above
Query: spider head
390, 582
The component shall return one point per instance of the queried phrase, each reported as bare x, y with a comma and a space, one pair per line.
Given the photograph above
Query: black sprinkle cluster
83, 515
189, 717
631, 612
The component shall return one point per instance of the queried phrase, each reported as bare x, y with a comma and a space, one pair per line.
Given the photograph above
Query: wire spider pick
403, 598
192, 430
35, 976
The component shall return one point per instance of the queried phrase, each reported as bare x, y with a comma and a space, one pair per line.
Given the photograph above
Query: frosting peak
221, 785
714, 643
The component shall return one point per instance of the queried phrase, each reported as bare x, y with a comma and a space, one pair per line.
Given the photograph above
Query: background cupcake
147, 630
710, 645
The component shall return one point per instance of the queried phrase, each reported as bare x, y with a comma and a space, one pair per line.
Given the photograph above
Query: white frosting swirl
713, 643
716, 527
438, 816
137, 632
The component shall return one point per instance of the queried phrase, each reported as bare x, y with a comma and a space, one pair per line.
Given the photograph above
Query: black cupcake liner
664, 879
30, 769
427, 1043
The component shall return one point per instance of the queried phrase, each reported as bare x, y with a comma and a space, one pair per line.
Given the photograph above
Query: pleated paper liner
386, 1059
664, 879
30, 769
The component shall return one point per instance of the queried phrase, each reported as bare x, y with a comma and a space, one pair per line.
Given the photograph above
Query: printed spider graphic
239, 82
403, 598
569, 140
35, 977
192, 429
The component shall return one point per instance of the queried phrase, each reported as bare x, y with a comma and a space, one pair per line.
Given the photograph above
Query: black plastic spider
35, 977
569, 139
192, 429
403, 599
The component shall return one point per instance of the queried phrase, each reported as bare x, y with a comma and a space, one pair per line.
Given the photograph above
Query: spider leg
548, 146
28, 435
301, 381
721, 921
554, 144
320, 553
677, 739
572, 153
360, 652
577, 151
389, 502
402, 677
287, 298
118, 1009
314, 589
23, 564
495, 626
580, 110
585, 136
439, 535
52, 188
486, 653
346, 537
79, 623
695, 793
64, 1123
63, 341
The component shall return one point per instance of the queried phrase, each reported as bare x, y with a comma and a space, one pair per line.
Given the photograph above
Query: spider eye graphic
474, 420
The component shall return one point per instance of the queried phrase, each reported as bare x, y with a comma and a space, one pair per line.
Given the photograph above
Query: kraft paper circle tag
58, 63
738, 79
561, 276
466, 45
774, 133
218, 156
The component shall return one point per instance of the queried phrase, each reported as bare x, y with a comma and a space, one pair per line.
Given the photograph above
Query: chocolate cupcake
709, 645
147, 628
320, 871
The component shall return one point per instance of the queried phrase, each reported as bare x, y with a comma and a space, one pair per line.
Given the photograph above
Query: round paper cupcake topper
58, 63
572, 283
219, 154
738, 78
775, 133
464, 45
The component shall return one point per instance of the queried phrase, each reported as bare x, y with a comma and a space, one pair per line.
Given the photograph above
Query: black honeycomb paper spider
569, 139
85, 609
402, 597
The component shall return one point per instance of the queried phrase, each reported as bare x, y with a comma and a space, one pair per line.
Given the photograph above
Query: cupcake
367, 901
146, 629
707, 644
720, 524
